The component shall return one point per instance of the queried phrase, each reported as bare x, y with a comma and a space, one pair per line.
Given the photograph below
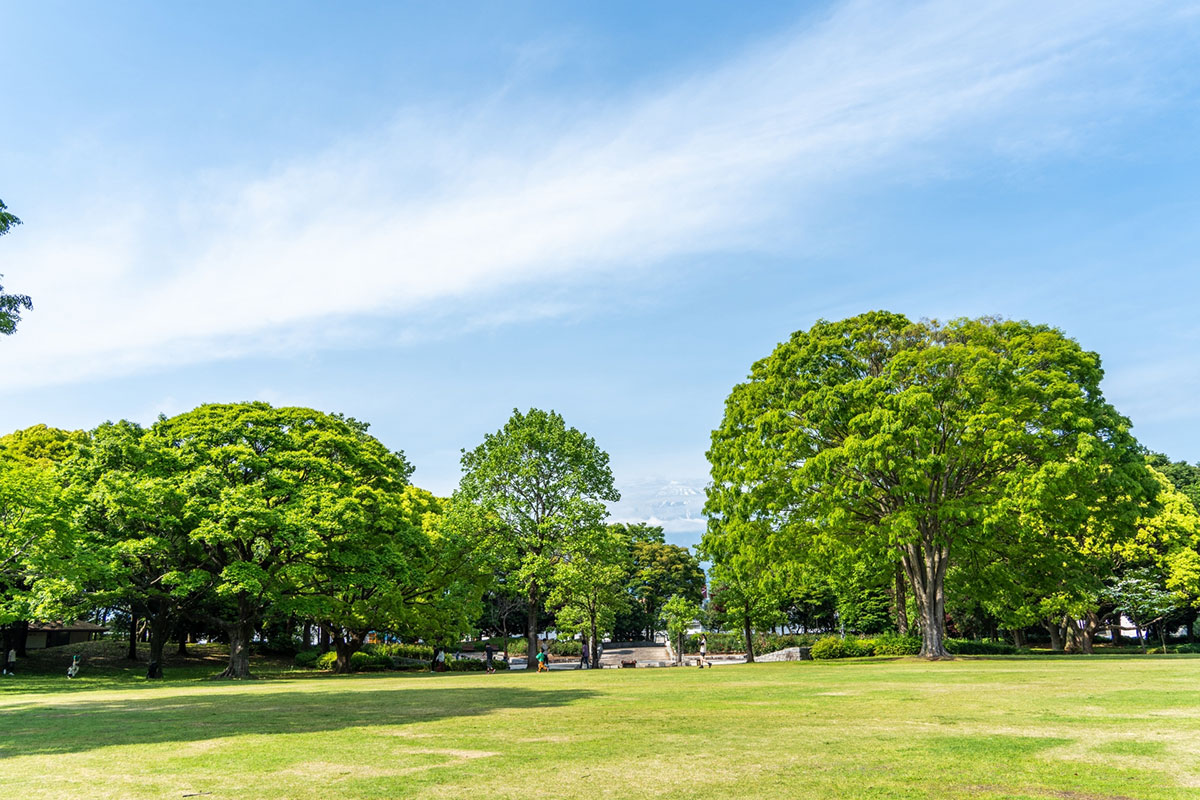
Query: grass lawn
1034, 727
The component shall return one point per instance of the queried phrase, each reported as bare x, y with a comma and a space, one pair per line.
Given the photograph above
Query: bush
1187, 648
397, 650
307, 658
836, 647
362, 661
566, 647
893, 645
970, 647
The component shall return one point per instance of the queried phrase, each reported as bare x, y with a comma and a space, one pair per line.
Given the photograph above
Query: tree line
241, 521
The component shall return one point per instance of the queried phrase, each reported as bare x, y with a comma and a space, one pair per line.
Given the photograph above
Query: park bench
628, 664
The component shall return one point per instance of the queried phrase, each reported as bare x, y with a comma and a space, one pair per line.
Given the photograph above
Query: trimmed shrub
363, 661
397, 650
566, 647
307, 658
464, 665
326, 660
836, 647
1187, 648
970, 647
894, 645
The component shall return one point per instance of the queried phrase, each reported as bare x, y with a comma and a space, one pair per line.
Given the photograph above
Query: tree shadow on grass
90, 724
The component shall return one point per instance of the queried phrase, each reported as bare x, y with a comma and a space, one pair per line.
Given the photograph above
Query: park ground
1028, 727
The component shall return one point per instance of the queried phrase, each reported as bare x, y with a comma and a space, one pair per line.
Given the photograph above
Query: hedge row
419, 651
367, 661
851, 647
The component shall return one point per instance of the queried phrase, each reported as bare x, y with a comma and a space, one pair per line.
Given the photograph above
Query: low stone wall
787, 654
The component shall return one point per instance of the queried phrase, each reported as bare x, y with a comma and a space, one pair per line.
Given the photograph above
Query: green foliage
398, 650
895, 645
11, 305
727, 643
44, 570
678, 613
971, 647
308, 658
1184, 477
283, 499
360, 661
566, 647
589, 583
880, 434
836, 647
535, 485
657, 571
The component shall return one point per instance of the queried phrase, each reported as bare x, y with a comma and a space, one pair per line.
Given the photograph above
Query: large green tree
11, 305
133, 493
42, 567
589, 585
914, 433
538, 485
658, 570
276, 493
407, 572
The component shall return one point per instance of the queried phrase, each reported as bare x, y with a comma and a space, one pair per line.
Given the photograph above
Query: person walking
542, 658
703, 650
10, 664
583, 655
488, 652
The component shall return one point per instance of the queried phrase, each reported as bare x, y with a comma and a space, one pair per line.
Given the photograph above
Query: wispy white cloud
442, 208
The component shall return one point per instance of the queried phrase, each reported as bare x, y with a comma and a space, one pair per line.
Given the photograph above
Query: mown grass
1118, 727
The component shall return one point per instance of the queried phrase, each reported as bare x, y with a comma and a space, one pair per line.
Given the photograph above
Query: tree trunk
900, 598
749, 639
306, 635
1114, 632
679, 650
21, 631
925, 564
323, 640
241, 632
594, 642
346, 647
1056, 635
1091, 624
531, 625
1018, 636
131, 654
159, 626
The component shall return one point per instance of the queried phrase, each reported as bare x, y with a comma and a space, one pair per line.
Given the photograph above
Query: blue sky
425, 217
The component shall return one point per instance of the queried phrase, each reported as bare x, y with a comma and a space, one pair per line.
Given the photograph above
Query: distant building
56, 634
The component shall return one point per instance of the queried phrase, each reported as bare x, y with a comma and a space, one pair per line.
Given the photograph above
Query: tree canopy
11, 305
918, 435
539, 485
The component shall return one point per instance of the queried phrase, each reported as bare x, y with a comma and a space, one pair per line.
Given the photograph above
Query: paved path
646, 654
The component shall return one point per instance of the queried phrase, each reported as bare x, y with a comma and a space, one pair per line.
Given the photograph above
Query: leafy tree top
11, 305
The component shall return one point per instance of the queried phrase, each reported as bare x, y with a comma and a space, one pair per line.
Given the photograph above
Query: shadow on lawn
87, 725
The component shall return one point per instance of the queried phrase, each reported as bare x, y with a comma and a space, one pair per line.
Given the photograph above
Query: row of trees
240, 518
972, 468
